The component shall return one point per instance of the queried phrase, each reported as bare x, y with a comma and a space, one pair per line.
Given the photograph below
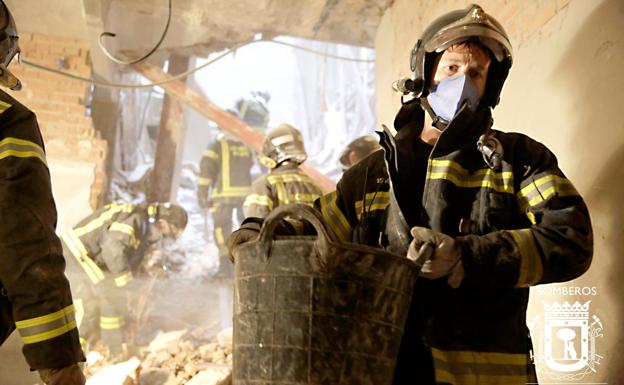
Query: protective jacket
105, 247
35, 295
285, 184
225, 167
516, 225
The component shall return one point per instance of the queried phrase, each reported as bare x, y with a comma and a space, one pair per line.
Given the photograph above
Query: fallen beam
178, 90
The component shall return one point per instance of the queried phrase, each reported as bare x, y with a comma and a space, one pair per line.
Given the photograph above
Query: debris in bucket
172, 358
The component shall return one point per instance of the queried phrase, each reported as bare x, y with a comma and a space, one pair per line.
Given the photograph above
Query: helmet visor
489, 37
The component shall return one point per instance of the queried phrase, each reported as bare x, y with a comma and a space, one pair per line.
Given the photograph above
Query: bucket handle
299, 211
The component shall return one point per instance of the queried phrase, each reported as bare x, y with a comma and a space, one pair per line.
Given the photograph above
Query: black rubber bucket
308, 310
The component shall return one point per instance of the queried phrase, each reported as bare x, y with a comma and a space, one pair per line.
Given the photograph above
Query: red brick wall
61, 102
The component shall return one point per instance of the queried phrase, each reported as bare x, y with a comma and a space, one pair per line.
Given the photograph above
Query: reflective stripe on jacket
284, 185
31, 258
225, 167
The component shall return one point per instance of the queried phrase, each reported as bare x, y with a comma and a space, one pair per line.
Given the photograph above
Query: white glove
446, 259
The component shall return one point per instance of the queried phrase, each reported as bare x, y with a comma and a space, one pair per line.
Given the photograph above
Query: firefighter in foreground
357, 150
283, 152
102, 252
225, 176
500, 214
35, 296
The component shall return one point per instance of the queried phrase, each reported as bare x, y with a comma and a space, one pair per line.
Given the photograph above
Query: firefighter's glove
248, 232
69, 375
202, 197
445, 259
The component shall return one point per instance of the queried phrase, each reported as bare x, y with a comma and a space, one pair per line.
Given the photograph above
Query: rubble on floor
172, 358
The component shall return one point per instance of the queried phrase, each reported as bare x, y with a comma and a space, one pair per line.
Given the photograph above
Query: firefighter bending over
102, 251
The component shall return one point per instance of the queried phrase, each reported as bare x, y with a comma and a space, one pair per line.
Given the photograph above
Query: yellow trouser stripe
79, 251
111, 323
123, 279
219, 236
22, 149
204, 181
531, 268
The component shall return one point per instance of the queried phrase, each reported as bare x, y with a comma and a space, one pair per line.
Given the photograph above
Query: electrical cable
189, 72
135, 61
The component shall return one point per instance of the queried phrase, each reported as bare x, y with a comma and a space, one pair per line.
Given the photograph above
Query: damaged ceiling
201, 26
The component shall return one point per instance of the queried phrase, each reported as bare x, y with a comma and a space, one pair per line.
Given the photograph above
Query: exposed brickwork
61, 103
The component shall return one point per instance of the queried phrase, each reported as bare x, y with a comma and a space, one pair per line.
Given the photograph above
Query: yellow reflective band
123, 279
219, 236
111, 323
204, 181
79, 251
126, 229
21, 148
232, 192
477, 368
374, 201
531, 268
48, 326
334, 217
542, 189
288, 178
4, 106
211, 154
260, 200
225, 166
240, 151
305, 198
111, 210
459, 176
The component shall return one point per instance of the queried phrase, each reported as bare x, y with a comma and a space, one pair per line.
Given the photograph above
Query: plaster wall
565, 90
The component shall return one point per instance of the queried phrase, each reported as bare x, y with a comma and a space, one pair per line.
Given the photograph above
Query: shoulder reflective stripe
204, 181
79, 251
111, 323
260, 200
334, 217
459, 176
4, 106
374, 201
48, 326
22, 149
534, 192
285, 178
126, 229
531, 268
480, 368
211, 154
98, 222
123, 279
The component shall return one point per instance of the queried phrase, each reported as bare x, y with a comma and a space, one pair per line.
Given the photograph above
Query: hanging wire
191, 71
135, 61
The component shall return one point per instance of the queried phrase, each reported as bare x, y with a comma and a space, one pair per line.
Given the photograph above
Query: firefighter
225, 176
357, 150
35, 295
103, 250
283, 152
493, 208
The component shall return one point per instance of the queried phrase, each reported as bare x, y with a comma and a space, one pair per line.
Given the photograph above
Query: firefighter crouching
500, 214
102, 251
283, 151
35, 295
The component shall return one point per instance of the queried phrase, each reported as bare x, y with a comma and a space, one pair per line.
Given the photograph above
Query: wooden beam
169, 137
182, 93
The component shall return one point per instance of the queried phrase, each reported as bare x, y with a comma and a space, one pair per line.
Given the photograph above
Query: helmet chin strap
437, 121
